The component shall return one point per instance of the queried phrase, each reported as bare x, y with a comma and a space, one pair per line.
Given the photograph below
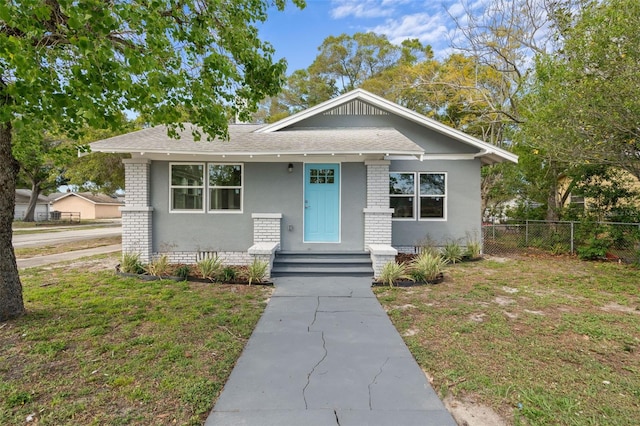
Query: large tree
351, 59
82, 62
42, 156
585, 107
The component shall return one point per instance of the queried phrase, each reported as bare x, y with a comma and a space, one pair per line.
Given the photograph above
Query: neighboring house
22, 203
618, 178
90, 206
354, 174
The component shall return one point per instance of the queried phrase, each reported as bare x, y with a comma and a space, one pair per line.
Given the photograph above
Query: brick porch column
136, 213
377, 214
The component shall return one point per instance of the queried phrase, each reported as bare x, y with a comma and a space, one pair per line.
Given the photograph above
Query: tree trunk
11, 303
29, 215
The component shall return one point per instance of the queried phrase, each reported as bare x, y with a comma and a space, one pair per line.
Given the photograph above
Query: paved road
43, 238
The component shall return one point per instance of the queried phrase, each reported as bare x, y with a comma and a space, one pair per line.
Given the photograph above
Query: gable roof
488, 152
285, 138
24, 195
92, 198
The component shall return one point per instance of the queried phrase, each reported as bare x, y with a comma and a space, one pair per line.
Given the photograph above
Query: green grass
542, 340
99, 349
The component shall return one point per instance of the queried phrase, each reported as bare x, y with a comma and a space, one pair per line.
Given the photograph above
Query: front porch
268, 232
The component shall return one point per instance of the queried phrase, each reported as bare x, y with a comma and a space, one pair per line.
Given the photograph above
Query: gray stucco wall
463, 204
268, 188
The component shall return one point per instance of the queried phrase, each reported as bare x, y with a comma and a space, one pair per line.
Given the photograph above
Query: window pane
402, 206
186, 174
401, 183
225, 175
431, 207
186, 199
224, 199
432, 184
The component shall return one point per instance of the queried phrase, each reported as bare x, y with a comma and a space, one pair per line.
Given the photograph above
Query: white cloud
361, 8
430, 29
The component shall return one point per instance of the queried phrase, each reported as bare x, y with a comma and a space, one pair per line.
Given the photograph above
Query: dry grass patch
541, 340
99, 349
27, 252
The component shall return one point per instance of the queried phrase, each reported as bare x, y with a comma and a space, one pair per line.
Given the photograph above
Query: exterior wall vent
356, 107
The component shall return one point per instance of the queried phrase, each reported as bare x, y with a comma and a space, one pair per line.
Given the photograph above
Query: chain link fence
611, 240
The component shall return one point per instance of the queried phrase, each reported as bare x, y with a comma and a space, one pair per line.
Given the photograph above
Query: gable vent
356, 107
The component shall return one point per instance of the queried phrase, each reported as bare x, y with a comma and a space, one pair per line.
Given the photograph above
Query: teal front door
321, 203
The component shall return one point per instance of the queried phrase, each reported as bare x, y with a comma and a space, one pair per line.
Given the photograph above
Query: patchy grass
26, 252
543, 341
95, 348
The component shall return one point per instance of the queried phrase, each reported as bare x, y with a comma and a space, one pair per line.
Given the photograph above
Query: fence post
526, 233
572, 237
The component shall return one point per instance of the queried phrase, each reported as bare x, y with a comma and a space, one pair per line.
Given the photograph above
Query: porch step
352, 264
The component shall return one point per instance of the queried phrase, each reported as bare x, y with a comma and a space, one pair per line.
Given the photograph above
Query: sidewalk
325, 353
69, 255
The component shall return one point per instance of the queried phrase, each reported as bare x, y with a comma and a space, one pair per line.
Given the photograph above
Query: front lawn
541, 340
98, 349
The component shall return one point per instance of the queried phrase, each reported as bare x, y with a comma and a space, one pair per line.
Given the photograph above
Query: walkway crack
315, 315
304, 390
335, 412
375, 378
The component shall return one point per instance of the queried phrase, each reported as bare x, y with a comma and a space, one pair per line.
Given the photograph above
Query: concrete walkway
325, 353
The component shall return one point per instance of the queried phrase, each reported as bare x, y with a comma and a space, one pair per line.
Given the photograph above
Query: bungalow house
23, 196
88, 205
355, 174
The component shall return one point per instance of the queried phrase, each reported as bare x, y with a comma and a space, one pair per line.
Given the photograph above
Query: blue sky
296, 34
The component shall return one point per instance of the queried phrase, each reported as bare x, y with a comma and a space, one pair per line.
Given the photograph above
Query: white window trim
205, 188
415, 205
417, 198
225, 211
445, 196
172, 187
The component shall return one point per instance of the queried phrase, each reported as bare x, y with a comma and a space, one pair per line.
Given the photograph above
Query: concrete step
318, 264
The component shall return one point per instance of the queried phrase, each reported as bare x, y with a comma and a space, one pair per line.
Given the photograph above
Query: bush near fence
592, 240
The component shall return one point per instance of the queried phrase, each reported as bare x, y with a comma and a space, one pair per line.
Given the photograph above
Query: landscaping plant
256, 271
209, 268
473, 249
159, 267
392, 272
426, 267
452, 252
131, 263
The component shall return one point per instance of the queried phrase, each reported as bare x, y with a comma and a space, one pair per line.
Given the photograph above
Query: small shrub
257, 270
596, 248
426, 267
229, 273
473, 249
209, 268
452, 252
392, 272
183, 271
159, 267
131, 263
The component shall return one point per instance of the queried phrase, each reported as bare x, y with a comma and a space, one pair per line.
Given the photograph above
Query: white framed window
432, 189
225, 187
418, 195
186, 187
402, 194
